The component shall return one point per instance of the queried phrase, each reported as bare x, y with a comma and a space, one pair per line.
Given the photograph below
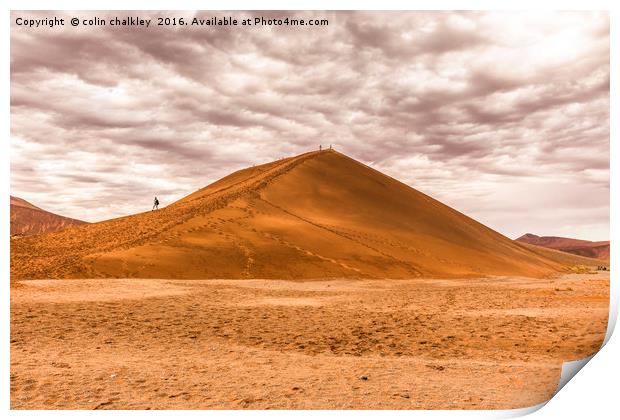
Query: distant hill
589, 249
316, 215
28, 219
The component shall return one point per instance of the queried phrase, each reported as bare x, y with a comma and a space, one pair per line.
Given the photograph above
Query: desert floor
258, 344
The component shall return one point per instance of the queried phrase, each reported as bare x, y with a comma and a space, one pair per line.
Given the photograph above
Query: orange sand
423, 343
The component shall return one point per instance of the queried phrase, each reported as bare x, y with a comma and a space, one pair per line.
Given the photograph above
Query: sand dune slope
316, 215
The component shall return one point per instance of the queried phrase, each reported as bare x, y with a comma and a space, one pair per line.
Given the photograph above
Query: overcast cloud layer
503, 116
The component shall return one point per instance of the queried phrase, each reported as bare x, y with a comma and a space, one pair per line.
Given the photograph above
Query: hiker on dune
155, 204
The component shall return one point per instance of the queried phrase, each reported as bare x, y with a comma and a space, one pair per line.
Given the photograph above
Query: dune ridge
316, 215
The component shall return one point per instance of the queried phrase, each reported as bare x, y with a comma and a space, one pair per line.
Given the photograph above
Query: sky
503, 116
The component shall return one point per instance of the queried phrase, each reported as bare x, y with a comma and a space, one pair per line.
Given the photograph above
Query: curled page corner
519, 412
570, 369
613, 312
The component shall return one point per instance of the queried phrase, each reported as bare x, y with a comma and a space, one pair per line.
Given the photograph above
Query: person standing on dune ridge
155, 204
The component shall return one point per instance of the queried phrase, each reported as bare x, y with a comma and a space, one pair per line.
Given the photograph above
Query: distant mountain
590, 249
28, 219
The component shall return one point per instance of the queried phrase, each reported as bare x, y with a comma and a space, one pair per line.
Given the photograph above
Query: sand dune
28, 219
316, 215
598, 249
413, 304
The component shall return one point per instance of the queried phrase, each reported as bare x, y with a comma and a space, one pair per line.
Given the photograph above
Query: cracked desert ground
496, 342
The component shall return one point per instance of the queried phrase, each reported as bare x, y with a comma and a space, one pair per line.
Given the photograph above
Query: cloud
503, 115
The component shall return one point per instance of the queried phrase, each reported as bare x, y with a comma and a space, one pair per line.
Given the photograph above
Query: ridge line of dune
233, 185
252, 184
149, 224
